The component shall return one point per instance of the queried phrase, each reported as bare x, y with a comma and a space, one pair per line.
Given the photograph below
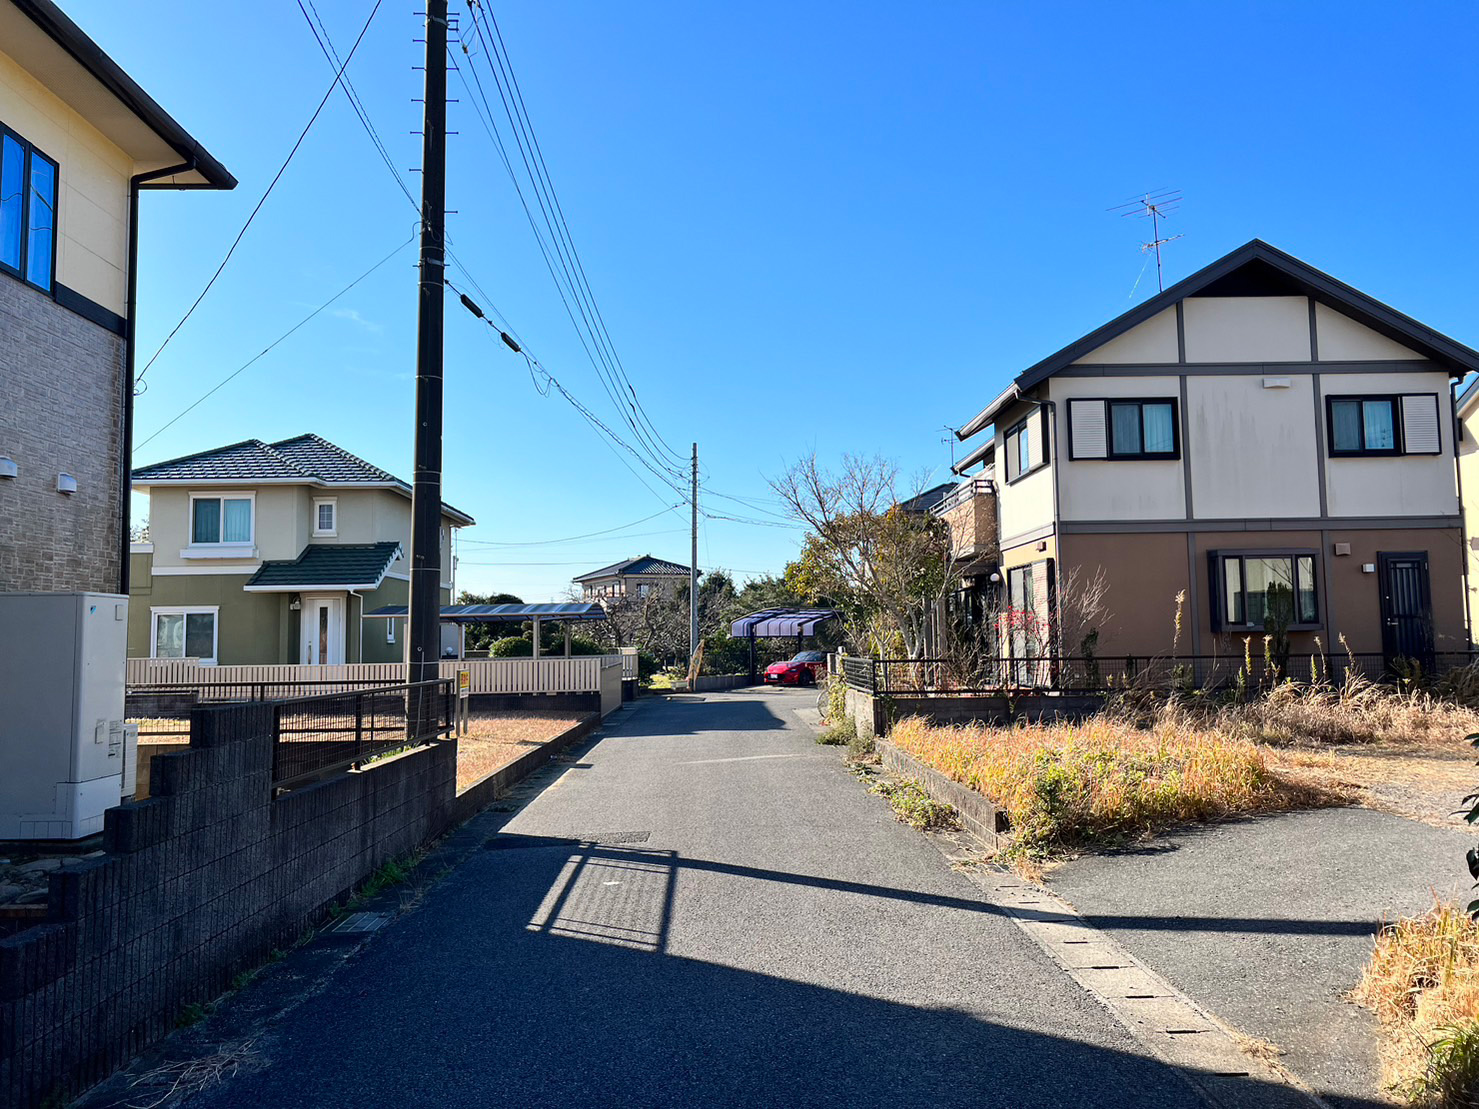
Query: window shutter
1420, 424
1087, 419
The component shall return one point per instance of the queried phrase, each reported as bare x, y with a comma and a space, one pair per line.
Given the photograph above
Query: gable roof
923, 502
302, 460
1254, 263
43, 41
642, 565
327, 566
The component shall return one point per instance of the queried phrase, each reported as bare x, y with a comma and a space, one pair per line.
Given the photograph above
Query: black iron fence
163, 711
1103, 674
324, 734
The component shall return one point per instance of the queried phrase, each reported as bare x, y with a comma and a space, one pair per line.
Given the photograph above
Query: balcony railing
965, 492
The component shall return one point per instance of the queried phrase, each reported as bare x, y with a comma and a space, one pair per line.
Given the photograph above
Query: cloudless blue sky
829, 227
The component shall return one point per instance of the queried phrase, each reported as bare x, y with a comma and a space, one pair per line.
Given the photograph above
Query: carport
779, 623
463, 615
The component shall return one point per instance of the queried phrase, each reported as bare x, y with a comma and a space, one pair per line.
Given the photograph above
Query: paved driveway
704, 910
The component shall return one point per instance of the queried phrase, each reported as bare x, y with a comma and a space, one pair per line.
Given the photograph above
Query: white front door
323, 631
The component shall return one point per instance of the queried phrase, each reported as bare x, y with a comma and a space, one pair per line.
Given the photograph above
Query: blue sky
808, 227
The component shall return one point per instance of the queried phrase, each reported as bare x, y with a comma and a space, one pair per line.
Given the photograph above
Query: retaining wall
874, 715
201, 880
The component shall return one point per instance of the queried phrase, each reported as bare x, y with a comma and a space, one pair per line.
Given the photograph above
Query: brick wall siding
59, 413
200, 881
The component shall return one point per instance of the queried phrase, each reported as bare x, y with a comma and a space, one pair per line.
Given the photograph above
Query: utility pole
693, 573
424, 622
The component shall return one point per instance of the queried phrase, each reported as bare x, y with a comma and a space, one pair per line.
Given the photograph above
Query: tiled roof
306, 458
329, 565
638, 567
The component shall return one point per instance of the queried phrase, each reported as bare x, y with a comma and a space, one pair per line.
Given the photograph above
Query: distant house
272, 553
1257, 434
636, 577
78, 140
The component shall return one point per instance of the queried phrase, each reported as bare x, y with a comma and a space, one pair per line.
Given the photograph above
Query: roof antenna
1154, 206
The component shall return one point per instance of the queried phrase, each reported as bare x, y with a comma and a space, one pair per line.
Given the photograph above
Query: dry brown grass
1069, 785
1353, 713
1423, 984
495, 739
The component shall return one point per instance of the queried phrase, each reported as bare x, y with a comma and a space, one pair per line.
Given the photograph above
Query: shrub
512, 646
1423, 984
1064, 785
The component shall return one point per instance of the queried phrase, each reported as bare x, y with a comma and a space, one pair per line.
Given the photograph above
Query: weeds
844, 731
1423, 985
192, 1013
913, 805
1068, 785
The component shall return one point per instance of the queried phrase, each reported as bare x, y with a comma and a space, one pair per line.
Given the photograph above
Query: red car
804, 669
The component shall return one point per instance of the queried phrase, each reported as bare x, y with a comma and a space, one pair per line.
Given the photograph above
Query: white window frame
318, 502
390, 629
186, 610
221, 548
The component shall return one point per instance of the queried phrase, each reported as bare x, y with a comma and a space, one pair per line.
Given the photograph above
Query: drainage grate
362, 922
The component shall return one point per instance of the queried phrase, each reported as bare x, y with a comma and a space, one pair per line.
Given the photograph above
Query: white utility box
62, 743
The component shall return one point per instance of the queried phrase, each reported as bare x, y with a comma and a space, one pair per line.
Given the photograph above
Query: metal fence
164, 710
1103, 674
327, 733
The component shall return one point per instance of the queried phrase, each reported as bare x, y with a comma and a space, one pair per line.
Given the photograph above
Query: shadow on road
543, 975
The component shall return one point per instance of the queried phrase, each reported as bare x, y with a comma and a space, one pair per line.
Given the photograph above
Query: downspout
361, 600
130, 352
1463, 516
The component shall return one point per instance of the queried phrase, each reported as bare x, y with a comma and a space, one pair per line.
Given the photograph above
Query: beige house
1258, 434
1468, 488
273, 553
79, 140
639, 577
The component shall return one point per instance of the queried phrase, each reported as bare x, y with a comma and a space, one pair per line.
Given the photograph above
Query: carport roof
491, 614
777, 623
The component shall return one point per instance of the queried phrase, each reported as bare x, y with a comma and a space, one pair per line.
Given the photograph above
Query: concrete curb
978, 814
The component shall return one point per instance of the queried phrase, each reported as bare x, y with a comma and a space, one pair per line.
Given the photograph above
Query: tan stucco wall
1468, 465
1247, 329
1095, 489
92, 193
1154, 341
1144, 572
1411, 485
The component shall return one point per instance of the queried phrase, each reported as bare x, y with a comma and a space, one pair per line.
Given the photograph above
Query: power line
213, 389
271, 185
573, 538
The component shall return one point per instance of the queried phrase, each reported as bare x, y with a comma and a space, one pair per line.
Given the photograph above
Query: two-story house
79, 141
1259, 434
273, 553
639, 577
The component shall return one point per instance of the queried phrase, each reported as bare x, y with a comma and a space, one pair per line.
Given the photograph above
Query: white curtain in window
237, 521
169, 635
1346, 417
1380, 432
1125, 419
1160, 437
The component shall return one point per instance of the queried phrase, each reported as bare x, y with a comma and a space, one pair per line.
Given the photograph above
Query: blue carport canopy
493, 614
781, 623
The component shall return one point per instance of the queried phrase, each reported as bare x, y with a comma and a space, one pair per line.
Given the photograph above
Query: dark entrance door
1406, 609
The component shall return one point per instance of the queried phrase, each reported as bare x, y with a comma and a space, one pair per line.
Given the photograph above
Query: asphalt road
753, 929
1269, 922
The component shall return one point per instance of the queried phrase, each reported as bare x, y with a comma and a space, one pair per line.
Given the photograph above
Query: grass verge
1066, 786
913, 805
839, 733
1423, 985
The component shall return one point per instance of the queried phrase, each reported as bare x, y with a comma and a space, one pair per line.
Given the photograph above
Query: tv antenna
1154, 206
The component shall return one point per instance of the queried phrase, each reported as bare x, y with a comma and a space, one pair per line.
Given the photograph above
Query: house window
184, 633
325, 516
28, 188
1255, 588
1142, 429
1026, 447
220, 520
1363, 425
390, 631
643, 589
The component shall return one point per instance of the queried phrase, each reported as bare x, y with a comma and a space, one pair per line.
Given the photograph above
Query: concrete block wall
62, 376
198, 882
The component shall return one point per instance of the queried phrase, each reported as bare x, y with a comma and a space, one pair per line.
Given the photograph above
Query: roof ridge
342, 452
204, 453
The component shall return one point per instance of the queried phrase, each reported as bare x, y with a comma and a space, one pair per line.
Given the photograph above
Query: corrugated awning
495, 614
781, 623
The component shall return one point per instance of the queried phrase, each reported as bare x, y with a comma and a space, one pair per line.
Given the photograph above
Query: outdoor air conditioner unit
62, 734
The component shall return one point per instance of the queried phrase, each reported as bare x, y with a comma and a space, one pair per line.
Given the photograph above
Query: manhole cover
362, 922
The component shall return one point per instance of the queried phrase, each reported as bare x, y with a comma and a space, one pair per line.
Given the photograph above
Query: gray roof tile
342, 565
637, 567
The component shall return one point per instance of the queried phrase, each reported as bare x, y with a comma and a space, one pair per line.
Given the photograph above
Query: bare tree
888, 569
